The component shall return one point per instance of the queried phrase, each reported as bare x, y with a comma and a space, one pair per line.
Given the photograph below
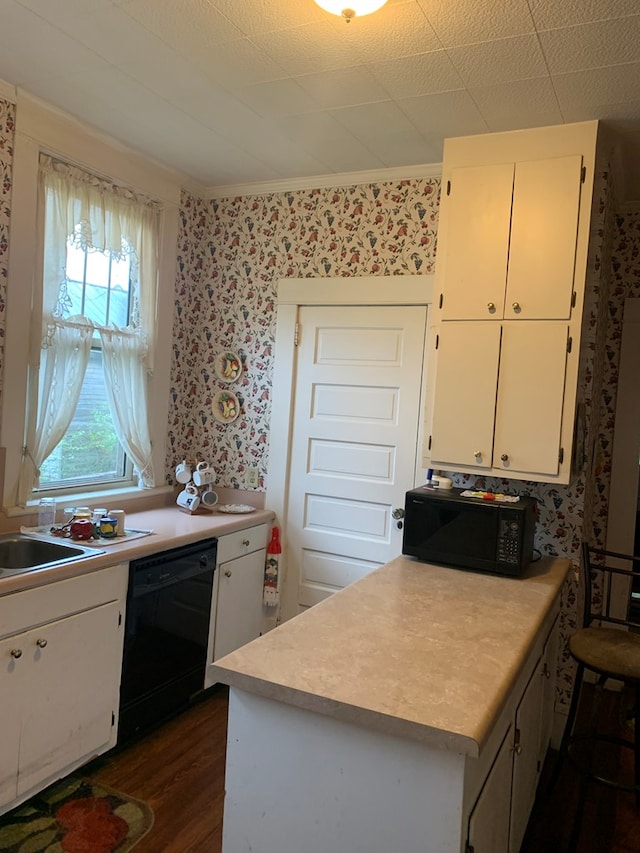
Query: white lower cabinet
498, 820
61, 658
237, 612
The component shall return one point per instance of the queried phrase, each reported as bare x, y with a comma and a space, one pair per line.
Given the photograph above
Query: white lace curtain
95, 214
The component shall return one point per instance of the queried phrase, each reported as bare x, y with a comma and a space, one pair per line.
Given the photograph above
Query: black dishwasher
166, 634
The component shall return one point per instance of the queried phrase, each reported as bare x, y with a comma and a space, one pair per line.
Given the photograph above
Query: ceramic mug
209, 498
203, 475
119, 516
189, 498
183, 472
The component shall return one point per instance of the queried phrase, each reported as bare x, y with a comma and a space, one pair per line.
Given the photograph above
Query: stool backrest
609, 586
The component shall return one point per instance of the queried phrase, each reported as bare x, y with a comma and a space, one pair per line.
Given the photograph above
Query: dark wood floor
179, 771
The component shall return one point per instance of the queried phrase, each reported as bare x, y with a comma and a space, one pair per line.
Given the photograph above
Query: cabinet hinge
119, 619
561, 455
538, 766
441, 300
569, 343
583, 174
448, 187
296, 336
113, 718
516, 741
469, 848
574, 296
437, 341
429, 445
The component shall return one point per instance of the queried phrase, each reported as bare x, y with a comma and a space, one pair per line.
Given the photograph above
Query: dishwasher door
166, 635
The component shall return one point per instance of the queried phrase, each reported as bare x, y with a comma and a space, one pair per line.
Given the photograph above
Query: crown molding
314, 182
7, 92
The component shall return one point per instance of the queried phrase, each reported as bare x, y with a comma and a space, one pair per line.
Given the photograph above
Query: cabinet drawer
26, 609
241, 542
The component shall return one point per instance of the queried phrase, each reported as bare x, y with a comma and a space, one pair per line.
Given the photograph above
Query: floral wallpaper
7, 131
231, 253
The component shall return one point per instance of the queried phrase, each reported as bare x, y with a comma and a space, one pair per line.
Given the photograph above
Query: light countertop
412, 649
171, 527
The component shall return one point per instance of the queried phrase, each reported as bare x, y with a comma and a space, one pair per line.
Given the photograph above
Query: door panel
530, 396
354, 444
544, 230
465, 394
477, 243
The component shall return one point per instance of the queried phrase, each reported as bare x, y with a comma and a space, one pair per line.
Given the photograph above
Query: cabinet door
489, 820
465, 394
530, 397
11, 686
526, 769
549, 668
239, 609
70, 691
476, 248
544, 231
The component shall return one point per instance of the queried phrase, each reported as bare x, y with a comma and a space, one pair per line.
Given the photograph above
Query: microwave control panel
509, 539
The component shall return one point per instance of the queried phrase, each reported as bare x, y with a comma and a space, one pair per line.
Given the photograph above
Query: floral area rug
75, 816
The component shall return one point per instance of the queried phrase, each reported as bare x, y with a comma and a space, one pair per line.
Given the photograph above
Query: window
33, 288
98, 287
88, 423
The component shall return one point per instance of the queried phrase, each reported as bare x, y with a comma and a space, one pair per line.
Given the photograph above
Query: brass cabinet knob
505, 457
227, 574
41, 643
16, 653
478, 454
516, 307
491, 306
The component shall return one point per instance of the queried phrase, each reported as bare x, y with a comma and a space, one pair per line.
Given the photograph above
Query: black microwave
469, 532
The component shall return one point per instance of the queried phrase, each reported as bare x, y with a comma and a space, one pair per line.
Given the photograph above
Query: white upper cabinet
511, 240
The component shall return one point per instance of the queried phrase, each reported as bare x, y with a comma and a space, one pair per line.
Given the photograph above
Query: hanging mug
183, 472
189, 498
203, 475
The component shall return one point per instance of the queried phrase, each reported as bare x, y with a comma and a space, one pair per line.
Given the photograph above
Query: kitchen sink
20, 553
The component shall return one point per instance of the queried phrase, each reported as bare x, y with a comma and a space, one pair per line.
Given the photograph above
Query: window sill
111, 497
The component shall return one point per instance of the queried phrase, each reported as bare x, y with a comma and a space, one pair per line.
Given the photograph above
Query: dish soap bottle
270, 596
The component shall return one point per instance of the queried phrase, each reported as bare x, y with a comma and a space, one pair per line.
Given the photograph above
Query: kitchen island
411, 711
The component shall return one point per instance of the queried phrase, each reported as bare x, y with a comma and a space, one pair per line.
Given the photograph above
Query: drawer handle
16, 653
505, 457
491, 306
246, 542
227, 574
516, 307
41, 643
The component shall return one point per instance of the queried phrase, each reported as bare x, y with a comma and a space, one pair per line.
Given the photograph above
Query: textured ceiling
249, 91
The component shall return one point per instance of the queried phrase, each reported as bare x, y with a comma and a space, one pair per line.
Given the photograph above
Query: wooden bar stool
608, 645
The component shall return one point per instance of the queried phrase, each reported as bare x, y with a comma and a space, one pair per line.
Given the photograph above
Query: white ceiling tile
183, 22
402, 148
548, 14
592, 45
458, 22
236, 63
277, 98
323, 137
378, 119
113, 35
396, 30
421, 74
499, 61
311, 48
623, 118
518, 104
344, 87
62, 10
265, 16
444, 114
612, 85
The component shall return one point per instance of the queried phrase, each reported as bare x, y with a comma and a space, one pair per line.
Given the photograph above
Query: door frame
293, 294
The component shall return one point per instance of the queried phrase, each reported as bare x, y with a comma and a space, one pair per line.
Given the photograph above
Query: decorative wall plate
227, 366
226, 407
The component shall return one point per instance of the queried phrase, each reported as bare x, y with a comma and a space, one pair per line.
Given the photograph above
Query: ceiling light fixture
356, 7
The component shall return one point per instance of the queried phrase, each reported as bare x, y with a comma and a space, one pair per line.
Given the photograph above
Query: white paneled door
355, 438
